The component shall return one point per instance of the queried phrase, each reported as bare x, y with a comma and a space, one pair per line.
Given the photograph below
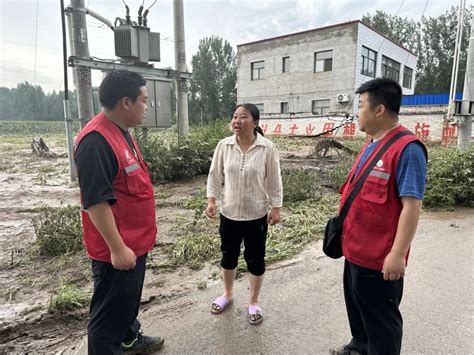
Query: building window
323, 61
284, 107
407, 76
369, 62
320, 107
390, 68
260, 107
257, 70
285, 64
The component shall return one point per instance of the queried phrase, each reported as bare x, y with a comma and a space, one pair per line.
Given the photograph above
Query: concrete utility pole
67, 111
465, 121
180, 66
80, 48
457, 52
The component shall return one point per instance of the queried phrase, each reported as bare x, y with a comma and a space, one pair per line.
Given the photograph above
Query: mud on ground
27, 281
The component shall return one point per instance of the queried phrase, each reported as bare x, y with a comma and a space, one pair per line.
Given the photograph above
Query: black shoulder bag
332, 242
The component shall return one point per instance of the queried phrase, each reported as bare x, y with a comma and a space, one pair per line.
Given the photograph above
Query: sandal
220, 304
255, 315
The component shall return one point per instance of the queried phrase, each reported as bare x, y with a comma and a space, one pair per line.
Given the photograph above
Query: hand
123, 259
210, 210
273, 216
393, 266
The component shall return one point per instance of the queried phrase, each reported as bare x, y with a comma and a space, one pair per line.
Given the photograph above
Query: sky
31, 38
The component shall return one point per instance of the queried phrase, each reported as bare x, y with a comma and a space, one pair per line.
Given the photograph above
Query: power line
36, 39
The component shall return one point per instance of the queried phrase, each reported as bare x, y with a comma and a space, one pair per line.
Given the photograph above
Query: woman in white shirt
245, 178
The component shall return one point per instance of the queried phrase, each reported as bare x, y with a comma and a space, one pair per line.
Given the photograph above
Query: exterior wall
300, 85
429, 126
383, 46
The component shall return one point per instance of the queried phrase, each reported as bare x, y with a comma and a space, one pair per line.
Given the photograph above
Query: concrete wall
428, 126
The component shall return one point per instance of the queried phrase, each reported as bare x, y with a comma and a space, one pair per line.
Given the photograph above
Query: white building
317, 71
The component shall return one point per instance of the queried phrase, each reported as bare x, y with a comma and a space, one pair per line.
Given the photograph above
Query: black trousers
254, 234
373, 310
114, 306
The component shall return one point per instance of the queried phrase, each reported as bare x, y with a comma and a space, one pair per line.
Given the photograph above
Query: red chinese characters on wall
349, 130
293, 129
422, 131
328, 126
449, 135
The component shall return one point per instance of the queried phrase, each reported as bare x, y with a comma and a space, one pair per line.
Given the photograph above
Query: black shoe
345, 350
142, 344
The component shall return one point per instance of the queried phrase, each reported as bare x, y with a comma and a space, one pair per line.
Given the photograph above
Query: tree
28, 103
212, 91
7, 110
435, 57
401, 30
432, 40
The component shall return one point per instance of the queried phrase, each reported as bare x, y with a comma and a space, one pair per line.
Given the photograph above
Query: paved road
304, 310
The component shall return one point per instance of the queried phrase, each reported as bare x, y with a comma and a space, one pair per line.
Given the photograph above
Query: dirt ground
29, 183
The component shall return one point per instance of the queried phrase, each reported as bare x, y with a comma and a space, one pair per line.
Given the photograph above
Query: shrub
450, 176
300, 184
450, 179
170, 159
58, 230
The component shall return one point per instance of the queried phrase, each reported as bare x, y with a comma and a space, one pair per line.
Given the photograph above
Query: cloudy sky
31, 44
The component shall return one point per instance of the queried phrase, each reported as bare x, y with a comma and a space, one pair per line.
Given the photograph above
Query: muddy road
303, 305
302, 297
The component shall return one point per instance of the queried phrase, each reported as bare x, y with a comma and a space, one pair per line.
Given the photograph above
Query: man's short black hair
118, 84
383, 91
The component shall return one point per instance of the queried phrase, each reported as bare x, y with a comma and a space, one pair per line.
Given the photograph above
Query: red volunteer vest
134, 210
371, 223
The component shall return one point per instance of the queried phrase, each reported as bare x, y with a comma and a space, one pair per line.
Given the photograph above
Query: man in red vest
118, 215
381, 223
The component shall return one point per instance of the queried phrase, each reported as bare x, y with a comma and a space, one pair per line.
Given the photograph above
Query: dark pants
372, 308
254, 234
114, 306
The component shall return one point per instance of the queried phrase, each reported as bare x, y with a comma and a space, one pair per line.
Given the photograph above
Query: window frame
285, 64
259, 71
323, 110
405, 76
389, 67
284, 104
326, 62
262, 105
367, 59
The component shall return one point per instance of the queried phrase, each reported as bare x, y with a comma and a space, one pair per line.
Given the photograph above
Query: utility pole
180, 66
67, 111
465, 121
80, 48
456, 55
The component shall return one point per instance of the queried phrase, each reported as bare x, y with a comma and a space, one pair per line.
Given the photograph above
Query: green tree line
28, 102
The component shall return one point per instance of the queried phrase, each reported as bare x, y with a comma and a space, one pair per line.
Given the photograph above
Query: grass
34, 128
302, 222
58, 231
68, 298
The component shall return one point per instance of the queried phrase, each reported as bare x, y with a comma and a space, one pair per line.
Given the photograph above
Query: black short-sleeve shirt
97, 167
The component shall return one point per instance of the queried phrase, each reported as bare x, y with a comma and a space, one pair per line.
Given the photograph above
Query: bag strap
366, 173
